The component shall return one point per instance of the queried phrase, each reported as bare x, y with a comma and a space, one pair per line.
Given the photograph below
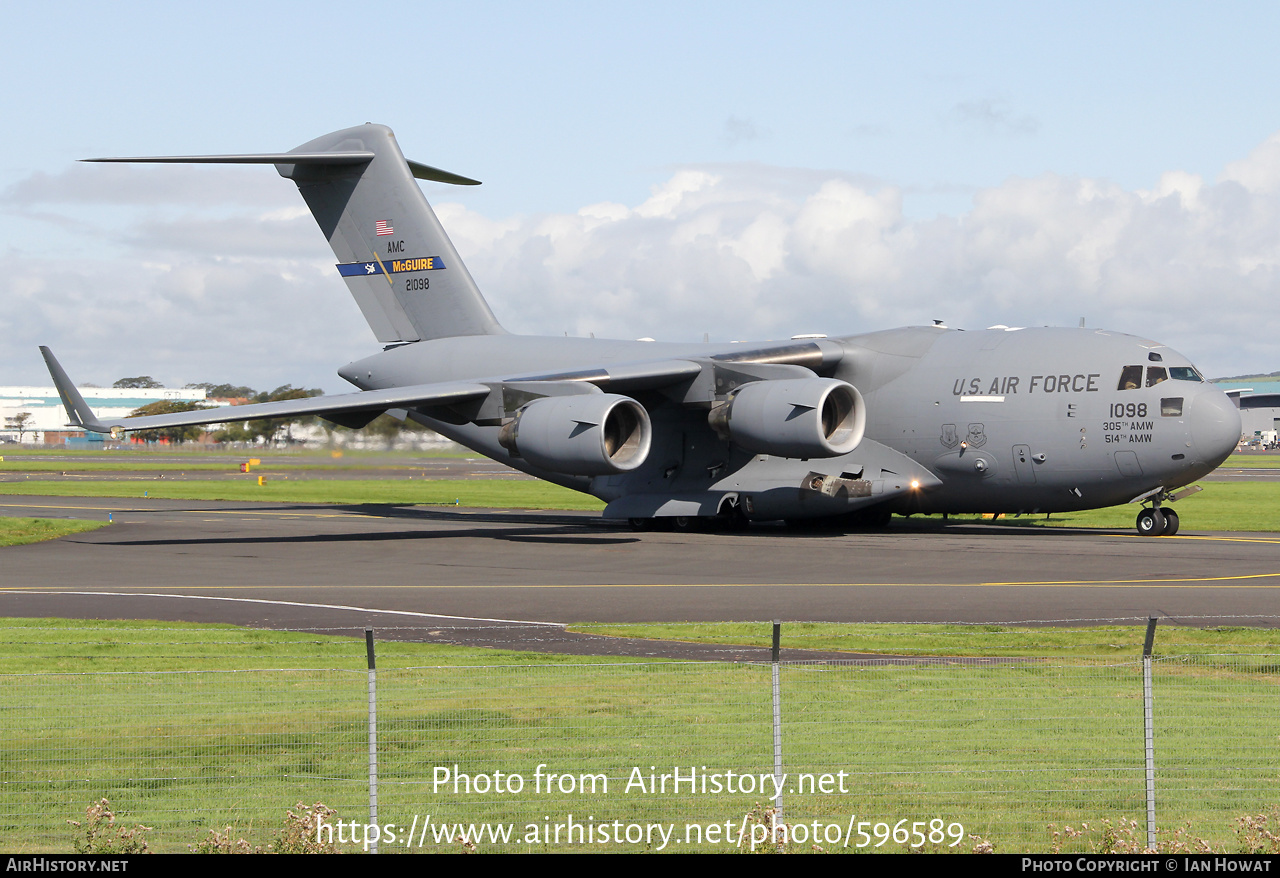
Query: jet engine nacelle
797, 417
592, 434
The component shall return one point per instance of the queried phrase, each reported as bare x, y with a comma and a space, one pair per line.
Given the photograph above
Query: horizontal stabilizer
350, 157
259, 158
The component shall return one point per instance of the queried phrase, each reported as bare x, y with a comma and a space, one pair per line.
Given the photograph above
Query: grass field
19, 531
1252, 460
166, 453
188, 728
525, 494
1120, 641
1221, 506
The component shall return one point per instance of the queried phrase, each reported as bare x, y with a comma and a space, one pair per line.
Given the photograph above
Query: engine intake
797, 418
593, 434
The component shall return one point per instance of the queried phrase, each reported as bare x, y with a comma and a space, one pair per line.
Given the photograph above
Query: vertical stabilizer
392, 251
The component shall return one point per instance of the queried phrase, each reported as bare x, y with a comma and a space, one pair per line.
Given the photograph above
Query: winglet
78, 411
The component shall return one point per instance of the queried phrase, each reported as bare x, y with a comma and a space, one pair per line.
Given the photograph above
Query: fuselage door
1127, 463
1023, 466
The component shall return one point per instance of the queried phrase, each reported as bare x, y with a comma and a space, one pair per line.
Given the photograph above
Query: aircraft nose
1215, 425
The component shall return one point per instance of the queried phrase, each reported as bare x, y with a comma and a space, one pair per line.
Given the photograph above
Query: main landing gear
1157, 521
683, 524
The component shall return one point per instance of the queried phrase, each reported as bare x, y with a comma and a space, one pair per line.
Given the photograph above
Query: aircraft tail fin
392, 251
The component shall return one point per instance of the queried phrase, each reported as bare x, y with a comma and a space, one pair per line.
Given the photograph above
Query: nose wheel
1157, 522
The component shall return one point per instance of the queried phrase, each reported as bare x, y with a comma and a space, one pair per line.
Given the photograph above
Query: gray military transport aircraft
921, 419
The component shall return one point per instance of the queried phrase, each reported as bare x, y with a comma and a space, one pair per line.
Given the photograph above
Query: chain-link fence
562, 753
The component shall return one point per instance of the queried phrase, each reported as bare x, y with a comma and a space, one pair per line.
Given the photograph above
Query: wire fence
562, 753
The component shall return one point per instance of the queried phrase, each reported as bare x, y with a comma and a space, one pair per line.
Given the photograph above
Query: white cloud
245, 290
1260, 170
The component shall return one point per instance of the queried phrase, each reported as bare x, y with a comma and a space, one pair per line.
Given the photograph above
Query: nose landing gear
1155, 521
1159, 520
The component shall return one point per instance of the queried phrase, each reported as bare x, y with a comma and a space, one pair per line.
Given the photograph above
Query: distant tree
145, 382
224, 391
165, 407
288, 391
385, 428
235, 431
267, 431
18, 422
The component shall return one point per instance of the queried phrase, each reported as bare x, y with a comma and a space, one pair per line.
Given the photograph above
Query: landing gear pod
797, 418
592, 434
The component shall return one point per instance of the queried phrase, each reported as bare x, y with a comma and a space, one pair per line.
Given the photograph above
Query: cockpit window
1184, 373
1155, 358
1156, 374
1171, 407
1130, 378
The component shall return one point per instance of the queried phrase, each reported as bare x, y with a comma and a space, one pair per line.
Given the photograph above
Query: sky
669, 170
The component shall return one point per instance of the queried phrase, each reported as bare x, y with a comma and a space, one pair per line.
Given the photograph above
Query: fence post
1148, 719
373, 736
777, 723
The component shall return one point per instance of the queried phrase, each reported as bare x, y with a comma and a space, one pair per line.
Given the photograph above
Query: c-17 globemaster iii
921, 419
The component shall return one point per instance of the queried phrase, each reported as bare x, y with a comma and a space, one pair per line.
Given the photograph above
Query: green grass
20, 531
58, 465
187, 728
1251, 460
160, 453
29, 646
178, 466
958, 640
58, 461
495, 493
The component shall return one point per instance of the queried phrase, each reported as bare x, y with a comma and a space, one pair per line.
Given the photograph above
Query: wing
785, 371
348, 409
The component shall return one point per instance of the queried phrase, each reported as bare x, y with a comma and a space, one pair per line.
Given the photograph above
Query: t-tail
392, 251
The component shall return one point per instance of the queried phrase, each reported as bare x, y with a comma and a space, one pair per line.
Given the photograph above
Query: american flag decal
383, 227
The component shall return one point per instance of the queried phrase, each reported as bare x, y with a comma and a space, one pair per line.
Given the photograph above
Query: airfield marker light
262, 480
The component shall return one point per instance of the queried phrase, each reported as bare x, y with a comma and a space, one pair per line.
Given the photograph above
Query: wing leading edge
348, 408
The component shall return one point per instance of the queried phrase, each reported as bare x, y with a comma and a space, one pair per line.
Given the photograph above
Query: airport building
35, 416
1259, 403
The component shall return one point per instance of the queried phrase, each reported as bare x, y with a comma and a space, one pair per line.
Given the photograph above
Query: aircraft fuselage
1025, 420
